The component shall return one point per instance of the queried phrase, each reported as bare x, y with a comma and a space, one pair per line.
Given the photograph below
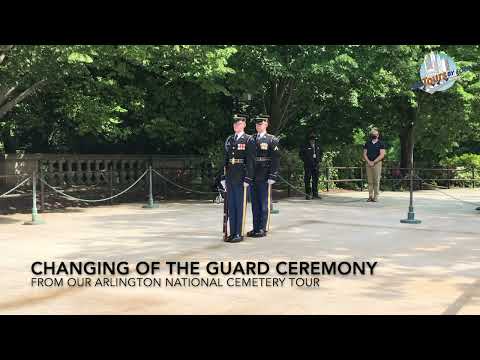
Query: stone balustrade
74, 169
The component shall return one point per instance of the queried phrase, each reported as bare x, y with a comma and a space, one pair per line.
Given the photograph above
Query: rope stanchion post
42, 191
411, 213
473, 177
272, 209
36, 220
327, 177
289, 179
110, 167
151, 204
164, 187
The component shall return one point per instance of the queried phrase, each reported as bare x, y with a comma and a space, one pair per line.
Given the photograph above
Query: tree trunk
8, 105
275, 116
279, 99
4, 49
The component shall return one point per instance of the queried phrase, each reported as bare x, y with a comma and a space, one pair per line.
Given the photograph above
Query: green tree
289, 81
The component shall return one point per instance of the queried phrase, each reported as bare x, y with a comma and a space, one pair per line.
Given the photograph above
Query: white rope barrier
444, 193
93, 201
325, 196
180, 186
202, 192
292, 186
16, 187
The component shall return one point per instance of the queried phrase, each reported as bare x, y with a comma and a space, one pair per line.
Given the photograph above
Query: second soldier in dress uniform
267, 161
238, 173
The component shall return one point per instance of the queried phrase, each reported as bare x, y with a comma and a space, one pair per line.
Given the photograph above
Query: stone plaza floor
429, 268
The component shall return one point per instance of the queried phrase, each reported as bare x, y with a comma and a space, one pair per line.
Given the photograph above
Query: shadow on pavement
5, 220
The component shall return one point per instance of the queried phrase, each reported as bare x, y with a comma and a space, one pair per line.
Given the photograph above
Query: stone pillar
69, 172
90, 172
54, 178
102, 173
123, 171
132, 171
97, 175
63, 171
75, 171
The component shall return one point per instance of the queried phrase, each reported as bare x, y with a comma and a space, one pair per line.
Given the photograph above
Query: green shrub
465, 160
467, 167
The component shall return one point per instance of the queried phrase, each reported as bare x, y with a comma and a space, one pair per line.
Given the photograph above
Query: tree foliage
176, 99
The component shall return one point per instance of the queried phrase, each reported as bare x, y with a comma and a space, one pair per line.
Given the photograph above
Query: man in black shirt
373, 153
311, 154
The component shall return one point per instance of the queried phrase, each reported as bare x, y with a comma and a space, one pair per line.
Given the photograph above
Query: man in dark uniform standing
267, 162
311, 154
238, 175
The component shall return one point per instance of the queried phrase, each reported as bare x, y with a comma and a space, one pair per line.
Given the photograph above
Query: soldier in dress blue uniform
267, 162
238, 175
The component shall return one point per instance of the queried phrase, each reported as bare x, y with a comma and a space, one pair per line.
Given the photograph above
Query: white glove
224, 184
245, 184
271, 182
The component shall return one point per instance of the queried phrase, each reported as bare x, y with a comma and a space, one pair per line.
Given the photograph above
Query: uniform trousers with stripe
260, 205
235, 207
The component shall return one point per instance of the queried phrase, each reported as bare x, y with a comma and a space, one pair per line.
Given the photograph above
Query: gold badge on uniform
264, 146
241, 146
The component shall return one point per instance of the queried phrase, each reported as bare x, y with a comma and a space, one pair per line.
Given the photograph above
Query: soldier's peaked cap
261, 118
239, 117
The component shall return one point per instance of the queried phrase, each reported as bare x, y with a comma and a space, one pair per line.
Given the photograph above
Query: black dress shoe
307, 197
229, 238
317, 197
251, 233
261, 233
236, 239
